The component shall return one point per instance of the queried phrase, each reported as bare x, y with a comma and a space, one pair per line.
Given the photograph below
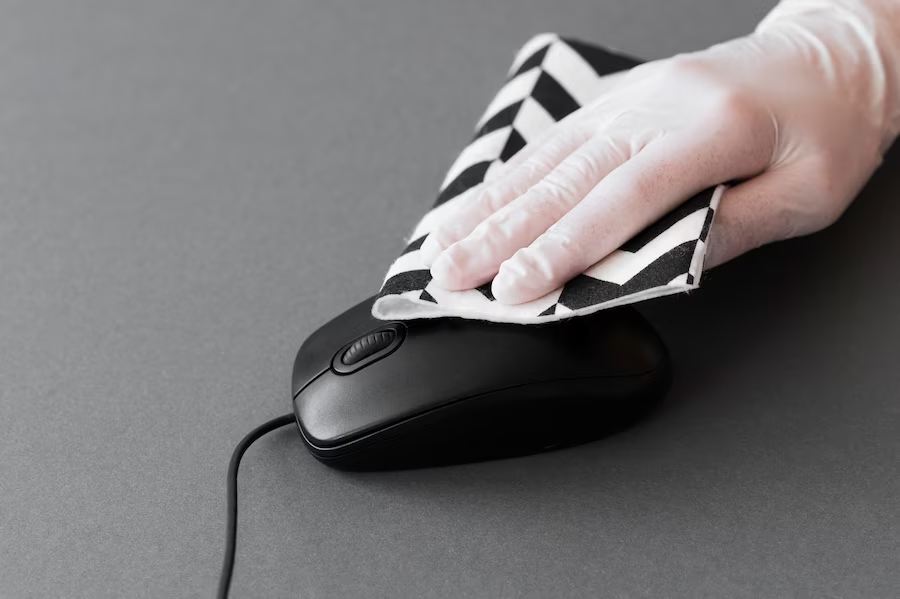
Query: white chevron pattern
561, 77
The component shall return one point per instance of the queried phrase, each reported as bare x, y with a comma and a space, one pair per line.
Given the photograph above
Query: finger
536, 143
630, 198
764, 209
497, 194
475, 259
605, 85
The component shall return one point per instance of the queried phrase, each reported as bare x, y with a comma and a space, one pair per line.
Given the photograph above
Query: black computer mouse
373, 395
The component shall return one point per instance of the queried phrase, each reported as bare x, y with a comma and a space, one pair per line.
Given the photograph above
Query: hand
777, 110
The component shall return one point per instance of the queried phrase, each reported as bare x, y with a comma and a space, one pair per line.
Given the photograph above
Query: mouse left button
369, 348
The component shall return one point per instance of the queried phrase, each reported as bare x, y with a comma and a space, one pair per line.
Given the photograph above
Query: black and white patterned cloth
550, 78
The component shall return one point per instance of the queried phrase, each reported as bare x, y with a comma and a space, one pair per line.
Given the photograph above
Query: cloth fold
550, 78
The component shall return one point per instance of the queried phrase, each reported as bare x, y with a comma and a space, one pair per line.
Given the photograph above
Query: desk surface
190, 188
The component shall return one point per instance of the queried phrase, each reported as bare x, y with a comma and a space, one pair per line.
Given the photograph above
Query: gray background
189, 188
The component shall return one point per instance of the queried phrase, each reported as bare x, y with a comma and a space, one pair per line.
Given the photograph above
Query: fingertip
504, 290
510, 285
442, 270
447, 272
538, 269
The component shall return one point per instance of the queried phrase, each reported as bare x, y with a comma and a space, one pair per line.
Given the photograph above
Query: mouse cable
231, 501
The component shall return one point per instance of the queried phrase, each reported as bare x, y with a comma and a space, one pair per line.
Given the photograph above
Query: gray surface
188, 189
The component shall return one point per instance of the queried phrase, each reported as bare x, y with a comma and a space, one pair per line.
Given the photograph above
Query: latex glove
801, 111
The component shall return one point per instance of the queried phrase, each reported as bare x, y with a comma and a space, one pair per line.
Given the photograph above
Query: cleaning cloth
550, 78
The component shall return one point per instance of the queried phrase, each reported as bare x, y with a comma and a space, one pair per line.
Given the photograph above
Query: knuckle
735, 106
642, 187
565, 244
822, 206
493, 198
490, 230
724, 99
554, 192
799, 218
457, 254
583, 166
687, 66
450, 234
619, 149
819, 184
539, 162
528, 170
441, 235
794, 220
830, 214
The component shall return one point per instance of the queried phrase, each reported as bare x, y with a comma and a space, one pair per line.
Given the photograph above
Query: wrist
856, 45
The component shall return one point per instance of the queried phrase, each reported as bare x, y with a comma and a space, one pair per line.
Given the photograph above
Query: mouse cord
231, 501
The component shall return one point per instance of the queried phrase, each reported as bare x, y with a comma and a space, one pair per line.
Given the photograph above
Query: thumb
778, 204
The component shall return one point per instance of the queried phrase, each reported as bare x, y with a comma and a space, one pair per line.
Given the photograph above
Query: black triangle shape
467, 179
504, 118
532, 61
414, 245
653, 231
584, 291
549, 311
602, 60
486, 291
551, 95
410, 280
515, 143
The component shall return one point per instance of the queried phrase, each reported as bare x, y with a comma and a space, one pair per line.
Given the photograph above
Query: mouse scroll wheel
364, 347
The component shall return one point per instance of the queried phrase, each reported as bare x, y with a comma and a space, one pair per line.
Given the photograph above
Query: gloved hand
800, 112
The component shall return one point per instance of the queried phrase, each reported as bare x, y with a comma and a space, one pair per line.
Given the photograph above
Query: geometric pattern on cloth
549, 79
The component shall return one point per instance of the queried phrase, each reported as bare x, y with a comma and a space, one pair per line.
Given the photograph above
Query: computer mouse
375, 395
